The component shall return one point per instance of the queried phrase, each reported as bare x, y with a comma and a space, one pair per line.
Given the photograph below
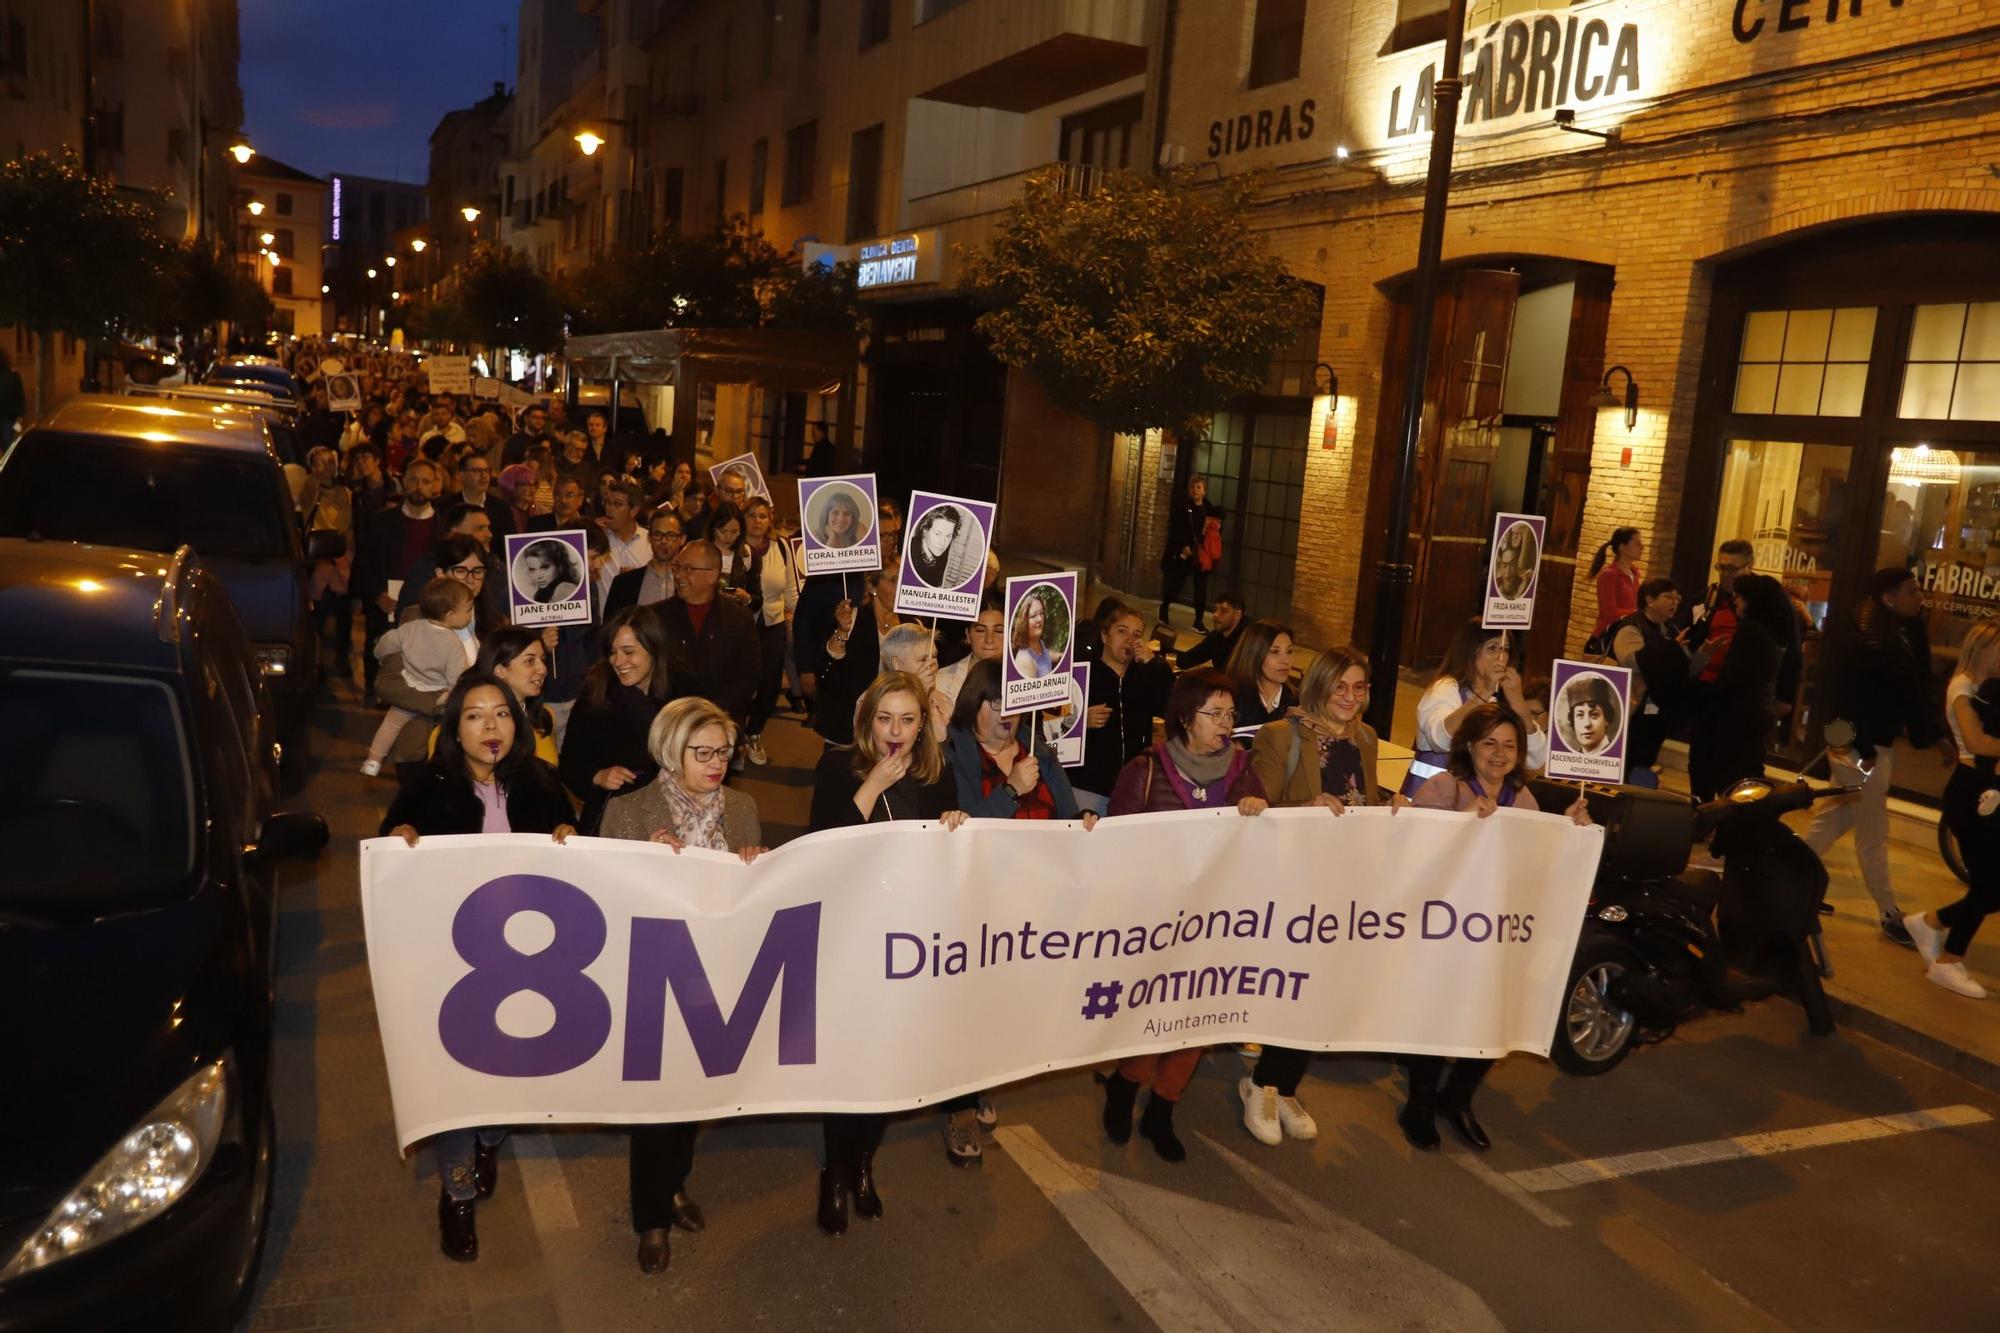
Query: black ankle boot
458, 1236
833, 1196
1119, 1094
1459, 1116
867, 1202
1418, 1121
1157, 1125
485, 1168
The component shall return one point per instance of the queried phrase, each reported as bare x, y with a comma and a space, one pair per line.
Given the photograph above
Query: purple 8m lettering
468, 1020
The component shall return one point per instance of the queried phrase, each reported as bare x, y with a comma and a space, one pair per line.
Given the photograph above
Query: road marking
543, 1183
1507, 1189
1200, 1266
1543, 1180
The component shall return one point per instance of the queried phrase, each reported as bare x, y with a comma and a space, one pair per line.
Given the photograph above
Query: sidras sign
1520, 71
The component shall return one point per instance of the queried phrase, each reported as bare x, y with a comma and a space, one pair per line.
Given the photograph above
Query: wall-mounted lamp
390, 261
418, 243
256, 207
242, 152
1605, 398
1566, 120
267, 237
1325, 381
589, 143
469, 213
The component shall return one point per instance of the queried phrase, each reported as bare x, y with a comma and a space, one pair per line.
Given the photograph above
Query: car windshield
100, 808
143, 497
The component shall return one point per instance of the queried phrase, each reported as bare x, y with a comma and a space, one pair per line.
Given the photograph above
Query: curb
1923, 1046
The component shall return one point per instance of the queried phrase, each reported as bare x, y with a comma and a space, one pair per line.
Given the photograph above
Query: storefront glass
1941, 518
1789, 500
1256, 464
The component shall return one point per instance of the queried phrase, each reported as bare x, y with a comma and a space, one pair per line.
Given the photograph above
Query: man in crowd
654, 583
442, 421
631, 547
534, 429
1220, 642
1128, 689
715, 634
568, 512
373, 491
1882, 684
393, 542
733, 488
475, 487
459, 520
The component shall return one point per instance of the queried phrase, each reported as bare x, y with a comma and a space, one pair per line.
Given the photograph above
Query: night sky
358, 85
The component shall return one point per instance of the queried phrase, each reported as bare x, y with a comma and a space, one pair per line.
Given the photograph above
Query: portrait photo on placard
343, 393
546, 573
943, 567
739, 480
1516, 559
1064, 727
1588, 713
838, 524
1041, 620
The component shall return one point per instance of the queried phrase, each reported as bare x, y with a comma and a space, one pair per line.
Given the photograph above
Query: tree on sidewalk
503, 301
76, 257
1146, 302
732, 278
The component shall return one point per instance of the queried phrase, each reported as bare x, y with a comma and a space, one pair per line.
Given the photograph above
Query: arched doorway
1517, 351
1848, 420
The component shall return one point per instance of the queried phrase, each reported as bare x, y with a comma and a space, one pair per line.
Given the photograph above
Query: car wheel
1594, 1034
262, 1189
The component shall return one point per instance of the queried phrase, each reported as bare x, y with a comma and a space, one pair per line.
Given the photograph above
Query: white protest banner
485, 386
521, 981
449, 374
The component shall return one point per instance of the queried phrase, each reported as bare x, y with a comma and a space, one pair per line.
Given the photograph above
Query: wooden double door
1453, 498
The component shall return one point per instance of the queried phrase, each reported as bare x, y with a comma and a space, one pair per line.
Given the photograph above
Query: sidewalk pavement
1877, 987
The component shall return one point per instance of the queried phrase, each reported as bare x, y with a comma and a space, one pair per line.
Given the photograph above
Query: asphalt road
1741, 1175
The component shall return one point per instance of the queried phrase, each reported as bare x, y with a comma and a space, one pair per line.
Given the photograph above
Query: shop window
1954, 367
1941, 520
284, 205
1276, 37
1804, 363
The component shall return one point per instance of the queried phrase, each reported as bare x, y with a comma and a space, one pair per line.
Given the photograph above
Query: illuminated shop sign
336, 208
898, 261
1521, 71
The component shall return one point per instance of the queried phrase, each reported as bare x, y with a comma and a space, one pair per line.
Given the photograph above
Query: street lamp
266, 237
418, 243
256, 207
589, 143
324, 289
390, 261
469, 213
242, 152
395, 296
371, 272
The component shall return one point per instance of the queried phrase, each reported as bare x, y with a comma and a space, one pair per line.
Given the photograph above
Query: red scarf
1037, 804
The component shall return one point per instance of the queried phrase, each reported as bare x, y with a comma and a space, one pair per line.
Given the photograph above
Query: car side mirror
298, 833
324, 544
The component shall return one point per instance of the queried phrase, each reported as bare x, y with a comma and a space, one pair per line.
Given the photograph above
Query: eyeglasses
1729, 567
1356, 691
708, 754
466, 571
1225, 716
682, 567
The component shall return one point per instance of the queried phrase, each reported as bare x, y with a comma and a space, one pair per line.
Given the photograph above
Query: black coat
429, 801
1185, 523
1135, 700
843, 680
607, 734
1883, 682
624, 591
834, 785
1213, 650
723, 657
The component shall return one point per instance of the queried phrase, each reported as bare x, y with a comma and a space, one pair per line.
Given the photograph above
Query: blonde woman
1971, 812
686, 806
894, 771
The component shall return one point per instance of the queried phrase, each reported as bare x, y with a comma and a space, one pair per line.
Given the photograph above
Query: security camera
1566, 116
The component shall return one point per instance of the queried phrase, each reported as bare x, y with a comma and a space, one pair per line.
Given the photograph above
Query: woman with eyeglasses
1485, 772
1320, 754
686, 806
895, 770
1194, 768
483, 778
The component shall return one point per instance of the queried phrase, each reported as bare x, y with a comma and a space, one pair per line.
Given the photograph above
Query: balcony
1022, 55
992, 196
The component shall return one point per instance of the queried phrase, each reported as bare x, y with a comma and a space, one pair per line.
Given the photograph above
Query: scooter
1664, 941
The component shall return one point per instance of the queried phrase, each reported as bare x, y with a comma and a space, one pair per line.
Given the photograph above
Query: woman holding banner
1479, 668
1194, 768
482, 778
687, 806
1001, 773
1261, 666
1321, 754
894, 771
1485, 771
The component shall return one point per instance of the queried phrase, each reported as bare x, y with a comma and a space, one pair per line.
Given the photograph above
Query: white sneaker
1953, 977
1295, 1119
1249, 1050
1928, 939
1260, 1111
371, 768
754, 749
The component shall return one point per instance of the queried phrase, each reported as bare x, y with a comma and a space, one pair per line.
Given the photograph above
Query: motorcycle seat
1702, 887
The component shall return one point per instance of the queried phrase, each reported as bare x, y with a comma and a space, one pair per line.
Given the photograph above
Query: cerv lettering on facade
1526, 66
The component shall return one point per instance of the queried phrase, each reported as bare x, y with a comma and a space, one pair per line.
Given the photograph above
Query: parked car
255, 371
138, 932
147, 475
281, 413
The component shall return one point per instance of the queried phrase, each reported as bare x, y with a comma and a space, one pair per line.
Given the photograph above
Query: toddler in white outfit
436, 650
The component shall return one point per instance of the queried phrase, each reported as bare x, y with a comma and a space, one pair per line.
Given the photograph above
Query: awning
766, 358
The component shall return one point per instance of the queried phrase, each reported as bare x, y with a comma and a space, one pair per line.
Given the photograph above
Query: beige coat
1272, 751
635, 815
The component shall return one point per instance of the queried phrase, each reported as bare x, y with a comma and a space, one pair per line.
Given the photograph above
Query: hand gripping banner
518, 981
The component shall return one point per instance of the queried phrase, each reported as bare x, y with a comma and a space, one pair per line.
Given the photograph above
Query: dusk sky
358, 85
